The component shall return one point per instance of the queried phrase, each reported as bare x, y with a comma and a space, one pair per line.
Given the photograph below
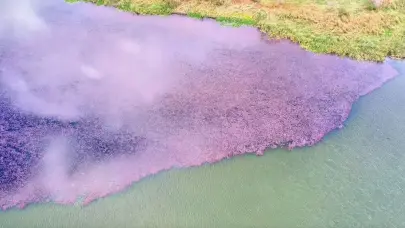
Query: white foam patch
55, 165
20, 17
91, 72
129, 46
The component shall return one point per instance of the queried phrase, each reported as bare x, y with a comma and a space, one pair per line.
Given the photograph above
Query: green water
354, 178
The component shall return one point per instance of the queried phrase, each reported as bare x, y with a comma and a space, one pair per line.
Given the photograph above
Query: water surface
352, 179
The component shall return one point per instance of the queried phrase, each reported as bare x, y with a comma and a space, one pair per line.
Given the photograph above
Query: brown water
352, 179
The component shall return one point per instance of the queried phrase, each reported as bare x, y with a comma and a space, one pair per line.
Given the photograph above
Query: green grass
234, 21
350, 28
195, 15
153, 9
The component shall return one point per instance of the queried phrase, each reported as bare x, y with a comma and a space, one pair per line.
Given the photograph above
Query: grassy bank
353, 28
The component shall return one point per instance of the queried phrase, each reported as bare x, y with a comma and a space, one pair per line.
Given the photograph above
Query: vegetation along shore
359, 29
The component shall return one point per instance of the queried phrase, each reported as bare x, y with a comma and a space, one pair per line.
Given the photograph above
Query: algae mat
354, 178
93, 99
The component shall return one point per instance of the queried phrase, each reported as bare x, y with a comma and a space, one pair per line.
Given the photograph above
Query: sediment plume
93, 99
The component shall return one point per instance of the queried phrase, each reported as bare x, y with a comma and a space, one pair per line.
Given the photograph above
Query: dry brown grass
353, 28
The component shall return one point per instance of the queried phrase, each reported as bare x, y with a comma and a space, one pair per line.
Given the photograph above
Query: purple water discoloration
93, 99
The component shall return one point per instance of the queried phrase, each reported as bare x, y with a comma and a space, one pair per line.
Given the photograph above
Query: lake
354, 177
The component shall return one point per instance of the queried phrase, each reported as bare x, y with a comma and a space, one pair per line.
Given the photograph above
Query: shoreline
359, 33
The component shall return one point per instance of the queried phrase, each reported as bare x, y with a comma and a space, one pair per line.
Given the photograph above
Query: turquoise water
354, 178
